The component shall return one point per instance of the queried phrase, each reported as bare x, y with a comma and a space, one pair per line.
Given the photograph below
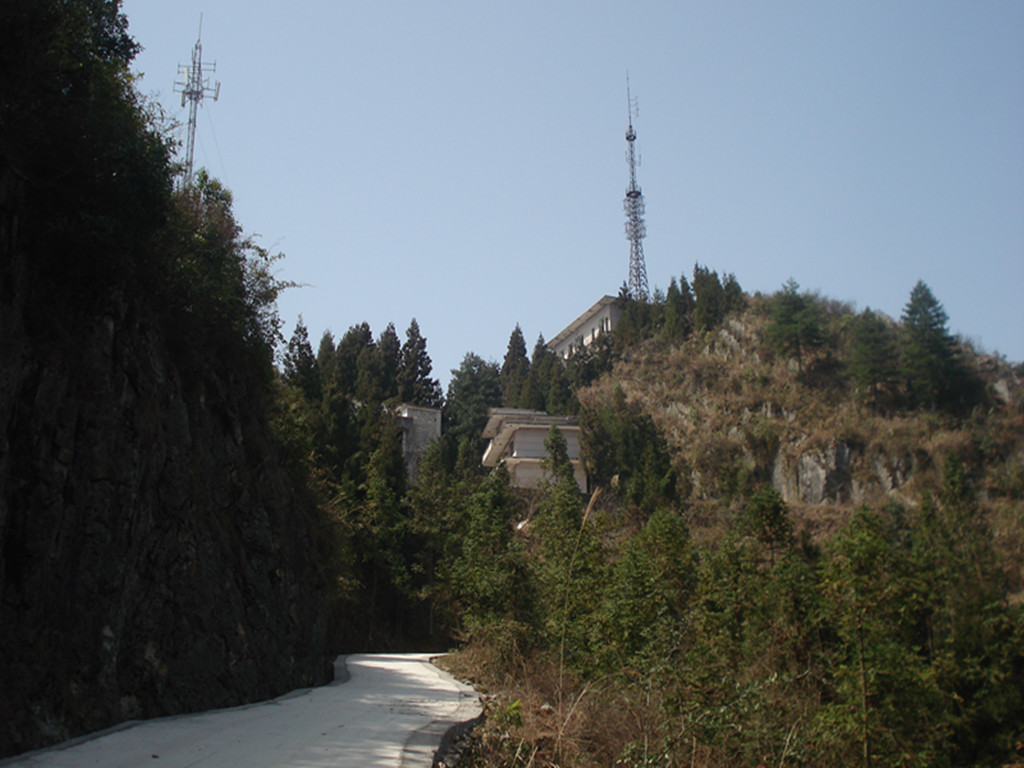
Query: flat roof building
517, 437
588, 327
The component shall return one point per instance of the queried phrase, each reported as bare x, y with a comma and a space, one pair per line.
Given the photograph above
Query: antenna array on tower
193, 89
633, 204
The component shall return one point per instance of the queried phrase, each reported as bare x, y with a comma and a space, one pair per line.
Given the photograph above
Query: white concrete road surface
387, 710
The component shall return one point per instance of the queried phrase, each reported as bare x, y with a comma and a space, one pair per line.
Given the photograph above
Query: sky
463, 163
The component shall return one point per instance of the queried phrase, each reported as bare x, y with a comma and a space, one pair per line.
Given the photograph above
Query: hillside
791, 556
737, 414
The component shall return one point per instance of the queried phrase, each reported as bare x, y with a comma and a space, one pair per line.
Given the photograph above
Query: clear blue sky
463, 163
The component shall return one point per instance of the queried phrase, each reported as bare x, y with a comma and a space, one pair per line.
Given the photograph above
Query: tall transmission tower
193, 89
633, 204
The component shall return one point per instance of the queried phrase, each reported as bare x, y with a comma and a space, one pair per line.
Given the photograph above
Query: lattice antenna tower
193, 89
633, 204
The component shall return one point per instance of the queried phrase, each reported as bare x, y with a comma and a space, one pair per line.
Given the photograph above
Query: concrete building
517, 437
585, 329
420, 427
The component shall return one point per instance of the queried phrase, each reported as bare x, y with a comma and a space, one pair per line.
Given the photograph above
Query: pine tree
709, 299
677, 311
474, 389
350, 348
414, 383
538, 381
873, 359
795, 328
931, 370
732, 294
300, 367
514, 370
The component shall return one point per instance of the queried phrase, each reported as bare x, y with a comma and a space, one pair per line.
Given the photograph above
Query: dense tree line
914, 364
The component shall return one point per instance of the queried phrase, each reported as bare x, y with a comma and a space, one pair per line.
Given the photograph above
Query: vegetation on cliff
140, 483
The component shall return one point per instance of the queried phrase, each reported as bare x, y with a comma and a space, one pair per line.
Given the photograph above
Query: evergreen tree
378, 364
709, 299
766, 518
488, 576
300, 367
351, 347
327, 363
383, 530
414, 383
732, 294
932, 372
678, 311
873, 360
514, 370
796, 326
474, 389
538, 380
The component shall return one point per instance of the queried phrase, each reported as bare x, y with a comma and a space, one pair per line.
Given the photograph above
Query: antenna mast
193, 89
633, 204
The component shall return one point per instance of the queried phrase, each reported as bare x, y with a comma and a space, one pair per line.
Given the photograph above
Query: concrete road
381, 710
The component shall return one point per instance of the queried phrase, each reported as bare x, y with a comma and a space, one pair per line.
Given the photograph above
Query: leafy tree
489, 576
382, 531
885, 691
474, 389
568, 570
873, 359
587, 364
415, 385
515, 369
621, 442
648, 591
766, 517
796, 325
93, 155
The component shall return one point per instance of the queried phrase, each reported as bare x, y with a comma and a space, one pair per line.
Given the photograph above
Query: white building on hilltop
517, 437
588, 327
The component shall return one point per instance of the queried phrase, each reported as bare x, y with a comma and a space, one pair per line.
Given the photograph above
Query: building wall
528, 474
587, 328
420, 427
528, 443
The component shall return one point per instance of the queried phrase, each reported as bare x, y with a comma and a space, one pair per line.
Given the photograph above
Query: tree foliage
796, 323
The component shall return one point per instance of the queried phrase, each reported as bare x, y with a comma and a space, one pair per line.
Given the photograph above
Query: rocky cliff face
154, 558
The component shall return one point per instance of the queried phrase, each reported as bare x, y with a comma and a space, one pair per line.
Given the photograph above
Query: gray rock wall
154, 558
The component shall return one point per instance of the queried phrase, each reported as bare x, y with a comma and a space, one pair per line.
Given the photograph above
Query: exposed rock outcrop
154, 557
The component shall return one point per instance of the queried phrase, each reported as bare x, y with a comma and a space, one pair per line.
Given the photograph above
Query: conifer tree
300, 367
678, 310
415, 385
514, 370
474, 389
709, 299
795, 328
931, 369
538, 381
351, 347
873, 360
732, 294
327, 363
